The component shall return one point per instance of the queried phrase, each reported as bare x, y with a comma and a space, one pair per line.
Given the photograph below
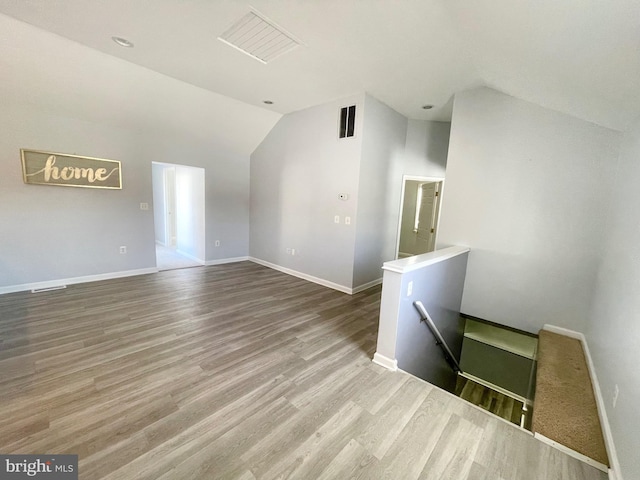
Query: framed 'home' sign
48, 168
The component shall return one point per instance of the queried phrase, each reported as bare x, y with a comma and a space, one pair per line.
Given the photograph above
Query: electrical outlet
123, 249
336, 219
616, 391
347, 220
409, 288
144, 206
293, 251
217, 243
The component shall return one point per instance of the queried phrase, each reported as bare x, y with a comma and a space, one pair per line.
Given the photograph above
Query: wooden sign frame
61, 169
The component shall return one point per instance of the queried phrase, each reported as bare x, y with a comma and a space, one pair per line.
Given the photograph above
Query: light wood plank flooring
236, 372
489, 400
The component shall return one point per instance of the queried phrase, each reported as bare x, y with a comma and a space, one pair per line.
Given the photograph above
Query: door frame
198, 245
425, 179
170, 201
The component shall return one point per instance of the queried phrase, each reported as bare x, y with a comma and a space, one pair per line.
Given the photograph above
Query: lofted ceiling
581, 57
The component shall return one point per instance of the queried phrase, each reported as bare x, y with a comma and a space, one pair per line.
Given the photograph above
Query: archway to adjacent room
178, 199
419, 215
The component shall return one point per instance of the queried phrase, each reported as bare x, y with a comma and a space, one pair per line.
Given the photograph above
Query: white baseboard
572, 453
613, 475
74, 280
614, 470
564, 331
386, 362
222, 261
304, 276
366, 286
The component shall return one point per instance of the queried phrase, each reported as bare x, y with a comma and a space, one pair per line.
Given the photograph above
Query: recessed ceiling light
123, 42
267, 102
427, 107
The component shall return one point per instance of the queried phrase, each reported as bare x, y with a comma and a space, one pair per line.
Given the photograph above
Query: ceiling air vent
259, 38
347, 121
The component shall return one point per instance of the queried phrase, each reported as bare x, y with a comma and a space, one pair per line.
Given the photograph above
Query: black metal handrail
448, 354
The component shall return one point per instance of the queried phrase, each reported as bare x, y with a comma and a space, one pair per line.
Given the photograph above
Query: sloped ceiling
47, 72
581, 57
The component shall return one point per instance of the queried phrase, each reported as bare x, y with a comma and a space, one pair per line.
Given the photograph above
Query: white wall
426, 148
297, 175
159, 214
392, 147
52, 73
613, 328
190, 215
380, 184
226, 176
301, 168
527, 190
49, 233
59, 96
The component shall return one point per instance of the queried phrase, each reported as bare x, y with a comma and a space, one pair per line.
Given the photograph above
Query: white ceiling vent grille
259, 38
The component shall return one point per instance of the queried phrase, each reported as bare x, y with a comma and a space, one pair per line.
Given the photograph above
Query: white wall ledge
408, 264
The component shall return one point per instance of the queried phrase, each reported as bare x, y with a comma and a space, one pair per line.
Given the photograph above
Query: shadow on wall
437, 149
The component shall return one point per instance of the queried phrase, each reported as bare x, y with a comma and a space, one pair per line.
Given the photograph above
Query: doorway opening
419, 215
178, 211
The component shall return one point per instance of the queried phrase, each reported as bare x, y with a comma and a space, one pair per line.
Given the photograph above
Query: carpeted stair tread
565, 407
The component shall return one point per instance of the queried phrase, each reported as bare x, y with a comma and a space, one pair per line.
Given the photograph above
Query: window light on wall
416, 221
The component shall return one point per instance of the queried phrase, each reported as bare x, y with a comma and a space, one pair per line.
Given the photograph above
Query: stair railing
448, 355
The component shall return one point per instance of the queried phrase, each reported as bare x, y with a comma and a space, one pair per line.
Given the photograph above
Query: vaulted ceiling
581, 57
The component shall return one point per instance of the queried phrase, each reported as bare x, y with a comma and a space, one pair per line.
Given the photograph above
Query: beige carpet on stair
565, 407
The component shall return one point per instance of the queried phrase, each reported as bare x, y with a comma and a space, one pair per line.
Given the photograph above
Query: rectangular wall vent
259, 38
347, 121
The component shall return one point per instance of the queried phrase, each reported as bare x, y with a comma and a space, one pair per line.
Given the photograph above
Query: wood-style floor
497, 403
236, 372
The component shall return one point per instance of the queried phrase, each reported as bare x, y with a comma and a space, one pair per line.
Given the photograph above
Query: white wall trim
614, 470
71, 281
572, 453
566, 332
366, 286
386, 362
222, 261
304, 276
416, 262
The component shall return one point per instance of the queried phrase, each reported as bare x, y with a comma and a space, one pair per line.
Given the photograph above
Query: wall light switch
217, 243
336, 219
347, 220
